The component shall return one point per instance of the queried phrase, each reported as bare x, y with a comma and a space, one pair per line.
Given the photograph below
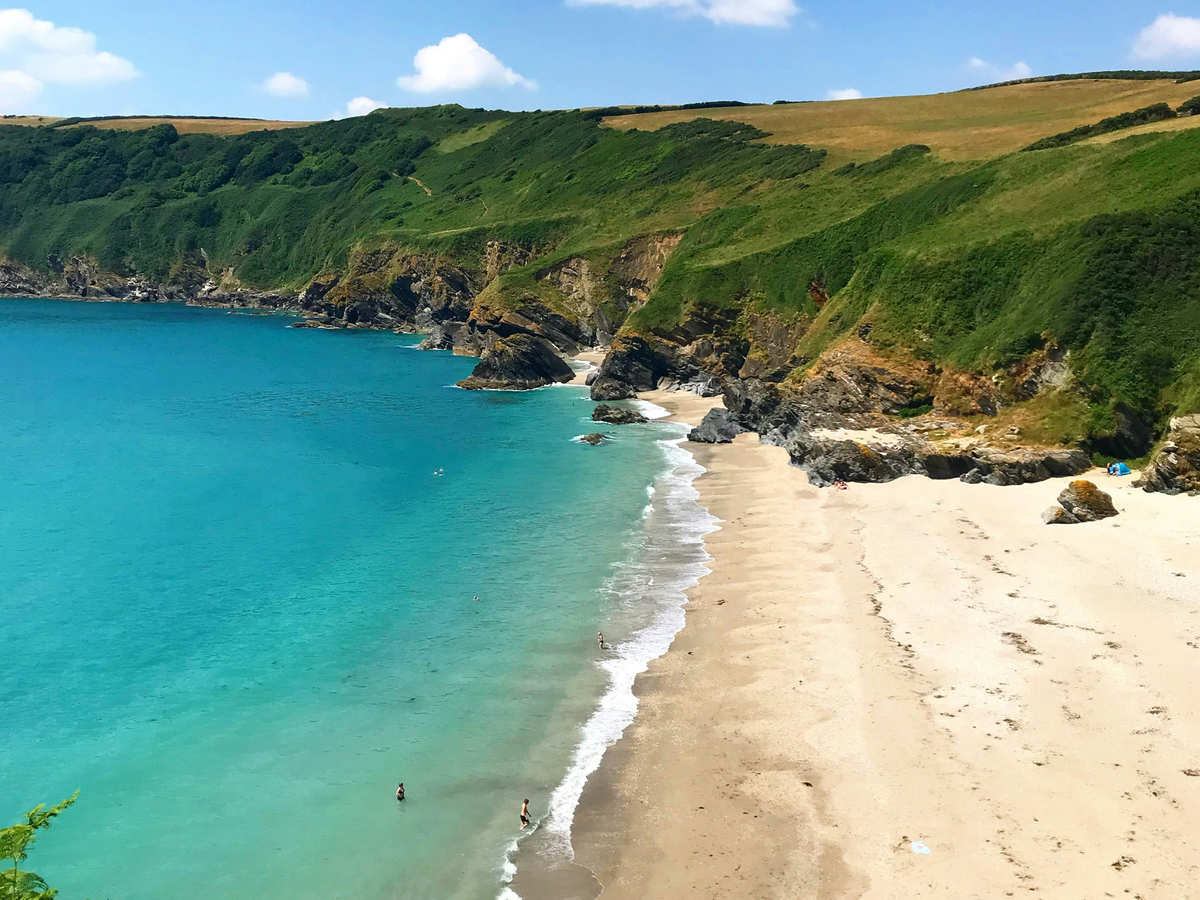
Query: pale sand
592, 358
939, 666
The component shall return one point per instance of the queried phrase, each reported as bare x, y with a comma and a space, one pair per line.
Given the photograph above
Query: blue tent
1119, 468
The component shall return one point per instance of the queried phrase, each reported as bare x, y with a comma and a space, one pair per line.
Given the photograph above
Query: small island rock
521, 362
616, 415
594, 439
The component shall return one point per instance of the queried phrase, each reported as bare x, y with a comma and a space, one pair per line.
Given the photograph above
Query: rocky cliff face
842, 423
637, 364
1176, 467
602, 293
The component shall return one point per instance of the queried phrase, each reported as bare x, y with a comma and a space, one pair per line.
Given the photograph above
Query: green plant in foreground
14, 845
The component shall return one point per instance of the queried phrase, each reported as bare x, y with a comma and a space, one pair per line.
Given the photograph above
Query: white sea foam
650, 590
649, 410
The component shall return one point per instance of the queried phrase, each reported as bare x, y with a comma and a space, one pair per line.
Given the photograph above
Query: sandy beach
922, 662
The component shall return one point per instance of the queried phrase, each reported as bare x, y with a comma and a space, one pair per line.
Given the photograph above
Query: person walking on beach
525, 814
400, 791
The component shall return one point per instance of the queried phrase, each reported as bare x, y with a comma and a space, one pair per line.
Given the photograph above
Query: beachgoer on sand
525, 815
400, 791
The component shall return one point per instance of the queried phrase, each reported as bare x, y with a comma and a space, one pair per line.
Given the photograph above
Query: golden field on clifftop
961, 125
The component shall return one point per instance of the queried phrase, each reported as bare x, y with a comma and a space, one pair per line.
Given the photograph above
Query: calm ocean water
236, 603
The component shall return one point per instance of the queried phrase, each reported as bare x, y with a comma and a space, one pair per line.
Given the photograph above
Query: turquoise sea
236, 604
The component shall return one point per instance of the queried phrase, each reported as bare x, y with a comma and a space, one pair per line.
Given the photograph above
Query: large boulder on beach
617, 415
718, 427
518, 363
1080, 501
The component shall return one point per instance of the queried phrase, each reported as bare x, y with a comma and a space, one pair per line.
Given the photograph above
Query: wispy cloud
844, 94
764, 13
991, 72
458, 63
34, 53
1168, 36
285, 84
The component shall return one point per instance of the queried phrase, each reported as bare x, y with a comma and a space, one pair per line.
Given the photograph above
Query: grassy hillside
949, 243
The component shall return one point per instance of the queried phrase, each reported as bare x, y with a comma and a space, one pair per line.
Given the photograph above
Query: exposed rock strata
637, 364
837, 428
1176, 467
518, 363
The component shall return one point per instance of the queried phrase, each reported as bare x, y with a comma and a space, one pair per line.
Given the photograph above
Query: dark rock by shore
595, 438
616, 415
518, 363
634, 364
718, 427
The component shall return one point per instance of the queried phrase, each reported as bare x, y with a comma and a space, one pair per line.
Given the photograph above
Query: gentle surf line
675, 521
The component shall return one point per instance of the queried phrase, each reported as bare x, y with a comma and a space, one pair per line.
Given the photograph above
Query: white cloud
17, 91
285, 84
1168, 36
766, 13
459, 64
359, 106
34, 53
844, 94
1015, 72
56, 55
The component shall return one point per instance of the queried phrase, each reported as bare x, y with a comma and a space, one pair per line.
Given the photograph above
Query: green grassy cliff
779, 251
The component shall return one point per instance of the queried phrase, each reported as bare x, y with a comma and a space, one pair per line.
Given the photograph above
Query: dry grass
195, 126
961, 125
183, 125
30, 120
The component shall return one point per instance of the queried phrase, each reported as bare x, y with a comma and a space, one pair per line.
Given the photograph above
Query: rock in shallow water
594, 439
518, 363
616, 415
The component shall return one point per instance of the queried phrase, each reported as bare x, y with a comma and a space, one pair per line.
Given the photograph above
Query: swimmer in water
525, 815
400, 791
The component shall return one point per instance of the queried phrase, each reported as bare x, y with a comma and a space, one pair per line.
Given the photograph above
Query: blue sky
309, 59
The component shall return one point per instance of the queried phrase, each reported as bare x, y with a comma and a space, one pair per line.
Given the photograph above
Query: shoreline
652, 585
917, 661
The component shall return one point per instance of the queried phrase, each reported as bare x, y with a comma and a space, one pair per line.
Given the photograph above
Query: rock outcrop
835, 429
1175, 469
718, 427
518, 363
595, 438
1080, 501
635, 364
616, 415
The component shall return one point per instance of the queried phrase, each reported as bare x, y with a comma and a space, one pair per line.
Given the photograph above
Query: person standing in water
600, 638
400, 791
525, 814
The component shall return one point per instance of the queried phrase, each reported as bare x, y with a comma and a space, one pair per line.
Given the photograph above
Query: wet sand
917, 661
